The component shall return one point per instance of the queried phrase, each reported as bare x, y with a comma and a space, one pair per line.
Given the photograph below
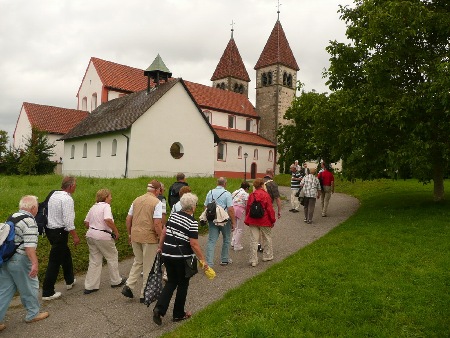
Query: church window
84, 104
284, 79
236, 88
176, 150
289, 81
269, 78
222, 85
85, 150
221, 151
99, 149
239, 152
72, 151
255, 154
264, 79
114, 148
231, 120
248, 124
218, 85
94, 101
270, 155
241, 89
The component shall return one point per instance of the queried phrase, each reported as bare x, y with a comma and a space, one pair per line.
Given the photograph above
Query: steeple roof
277, 50
231, 64
158, 65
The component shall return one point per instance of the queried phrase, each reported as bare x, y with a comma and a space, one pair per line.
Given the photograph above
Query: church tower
276, 78
230, 73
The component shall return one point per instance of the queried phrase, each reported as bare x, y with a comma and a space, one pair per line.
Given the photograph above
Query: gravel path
108, 314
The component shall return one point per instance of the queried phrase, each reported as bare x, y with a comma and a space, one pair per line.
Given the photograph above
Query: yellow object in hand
210, 273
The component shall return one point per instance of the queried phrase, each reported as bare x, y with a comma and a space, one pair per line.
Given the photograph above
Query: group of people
149, 232
311, 187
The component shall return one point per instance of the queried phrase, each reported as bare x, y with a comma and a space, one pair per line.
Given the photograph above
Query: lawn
382, 273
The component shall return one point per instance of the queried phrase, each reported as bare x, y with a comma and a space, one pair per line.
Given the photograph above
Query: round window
176, 150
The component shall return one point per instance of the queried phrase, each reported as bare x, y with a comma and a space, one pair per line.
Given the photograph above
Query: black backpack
174, 192
256, 208
211, 208
42, 214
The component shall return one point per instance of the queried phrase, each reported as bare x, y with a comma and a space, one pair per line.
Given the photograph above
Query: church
149, 123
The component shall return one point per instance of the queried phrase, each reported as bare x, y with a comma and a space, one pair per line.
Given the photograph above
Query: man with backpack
19, 273
222, 198
174, 190
61, 218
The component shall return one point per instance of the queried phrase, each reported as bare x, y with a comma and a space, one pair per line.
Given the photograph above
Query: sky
45, 45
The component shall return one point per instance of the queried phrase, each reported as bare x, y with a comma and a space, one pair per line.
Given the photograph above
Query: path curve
108, 314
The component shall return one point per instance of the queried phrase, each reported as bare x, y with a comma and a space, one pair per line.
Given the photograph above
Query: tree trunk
438, 181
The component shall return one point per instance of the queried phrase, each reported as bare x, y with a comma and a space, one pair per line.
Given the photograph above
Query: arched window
264, 79
289, 80
114, 148
239, 152
236, 88
255, 154
269, 78
241, 89
72, 151
84, 104
221, 151
222, 85
270, 155
85, 150
284, 79
231, 121
94, 101
99, 149
248, 124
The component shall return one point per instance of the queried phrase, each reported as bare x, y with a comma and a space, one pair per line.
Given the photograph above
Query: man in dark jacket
174, 190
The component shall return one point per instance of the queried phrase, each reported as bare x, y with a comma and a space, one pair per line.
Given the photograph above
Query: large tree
391, 86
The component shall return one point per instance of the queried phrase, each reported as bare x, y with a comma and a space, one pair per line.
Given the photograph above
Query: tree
311, 135
391, 88
37, 153
3, 143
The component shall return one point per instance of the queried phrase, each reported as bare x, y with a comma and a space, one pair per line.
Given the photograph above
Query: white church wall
91, 84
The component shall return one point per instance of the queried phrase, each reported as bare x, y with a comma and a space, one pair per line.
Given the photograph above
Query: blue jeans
213, 235
14, 277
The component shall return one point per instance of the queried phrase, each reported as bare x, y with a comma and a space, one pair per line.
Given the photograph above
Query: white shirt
61, 211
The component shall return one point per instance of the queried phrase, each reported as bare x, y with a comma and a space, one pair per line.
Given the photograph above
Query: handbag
154, 286
301, 197
190, 263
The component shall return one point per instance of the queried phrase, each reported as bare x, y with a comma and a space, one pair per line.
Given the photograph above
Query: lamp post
245, 166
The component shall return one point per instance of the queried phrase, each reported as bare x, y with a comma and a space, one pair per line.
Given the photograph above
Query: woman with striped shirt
180, 233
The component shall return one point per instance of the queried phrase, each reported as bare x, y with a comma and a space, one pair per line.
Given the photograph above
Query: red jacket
268, 219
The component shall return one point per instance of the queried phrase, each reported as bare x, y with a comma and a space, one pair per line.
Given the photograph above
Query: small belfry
230, 73
157, 72
276, 78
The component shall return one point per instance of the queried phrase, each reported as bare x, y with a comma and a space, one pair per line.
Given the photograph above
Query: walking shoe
56, 295
157, 317
309, 222
226, 263
295, 210
40, 316
260, 249
253, 264
87, 292
2, 327
267, 259
126, 291
70, 286
324, 215
305, 220
238, 248
291, 210
142, 300
122, 282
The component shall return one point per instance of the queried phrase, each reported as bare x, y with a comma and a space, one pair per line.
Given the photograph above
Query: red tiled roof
117, 76
53, 120
240, 136
277, 50
221, 100
231, 64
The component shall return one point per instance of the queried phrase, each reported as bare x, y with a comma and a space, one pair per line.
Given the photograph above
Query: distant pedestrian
296, 177
223, 199
19, 273
260, 226
240, 198
174, 190
61, 223
144, 226
311, 187
177, 206
101, 236
327, 183
163, 200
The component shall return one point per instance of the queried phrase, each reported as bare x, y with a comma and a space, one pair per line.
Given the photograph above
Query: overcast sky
45, 45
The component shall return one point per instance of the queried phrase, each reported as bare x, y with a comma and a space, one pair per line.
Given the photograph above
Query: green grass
124, 191
382, 273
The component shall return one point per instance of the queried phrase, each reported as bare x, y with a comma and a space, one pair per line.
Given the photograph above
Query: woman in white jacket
240, 198
311, 186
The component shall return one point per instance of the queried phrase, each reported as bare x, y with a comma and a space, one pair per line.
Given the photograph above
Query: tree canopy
390, 91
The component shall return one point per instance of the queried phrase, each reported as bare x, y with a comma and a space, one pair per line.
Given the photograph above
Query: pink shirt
96, 218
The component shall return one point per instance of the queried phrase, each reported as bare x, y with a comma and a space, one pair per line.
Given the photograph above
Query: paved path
107, 313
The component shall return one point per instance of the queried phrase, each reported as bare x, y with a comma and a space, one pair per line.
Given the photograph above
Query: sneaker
267, 259
226, 263
87, 292
238, 248
40, 316
291, 210
295, 210
260, 249
126, 291
122, 282
305, 220
56, 295
253, 264
70, 286
309, 222
324, 215
2, 327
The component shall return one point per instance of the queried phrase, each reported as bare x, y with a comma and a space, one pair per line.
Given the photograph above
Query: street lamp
245, 166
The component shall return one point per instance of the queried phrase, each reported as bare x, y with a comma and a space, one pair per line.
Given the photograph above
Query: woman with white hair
311, 187
178, 241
